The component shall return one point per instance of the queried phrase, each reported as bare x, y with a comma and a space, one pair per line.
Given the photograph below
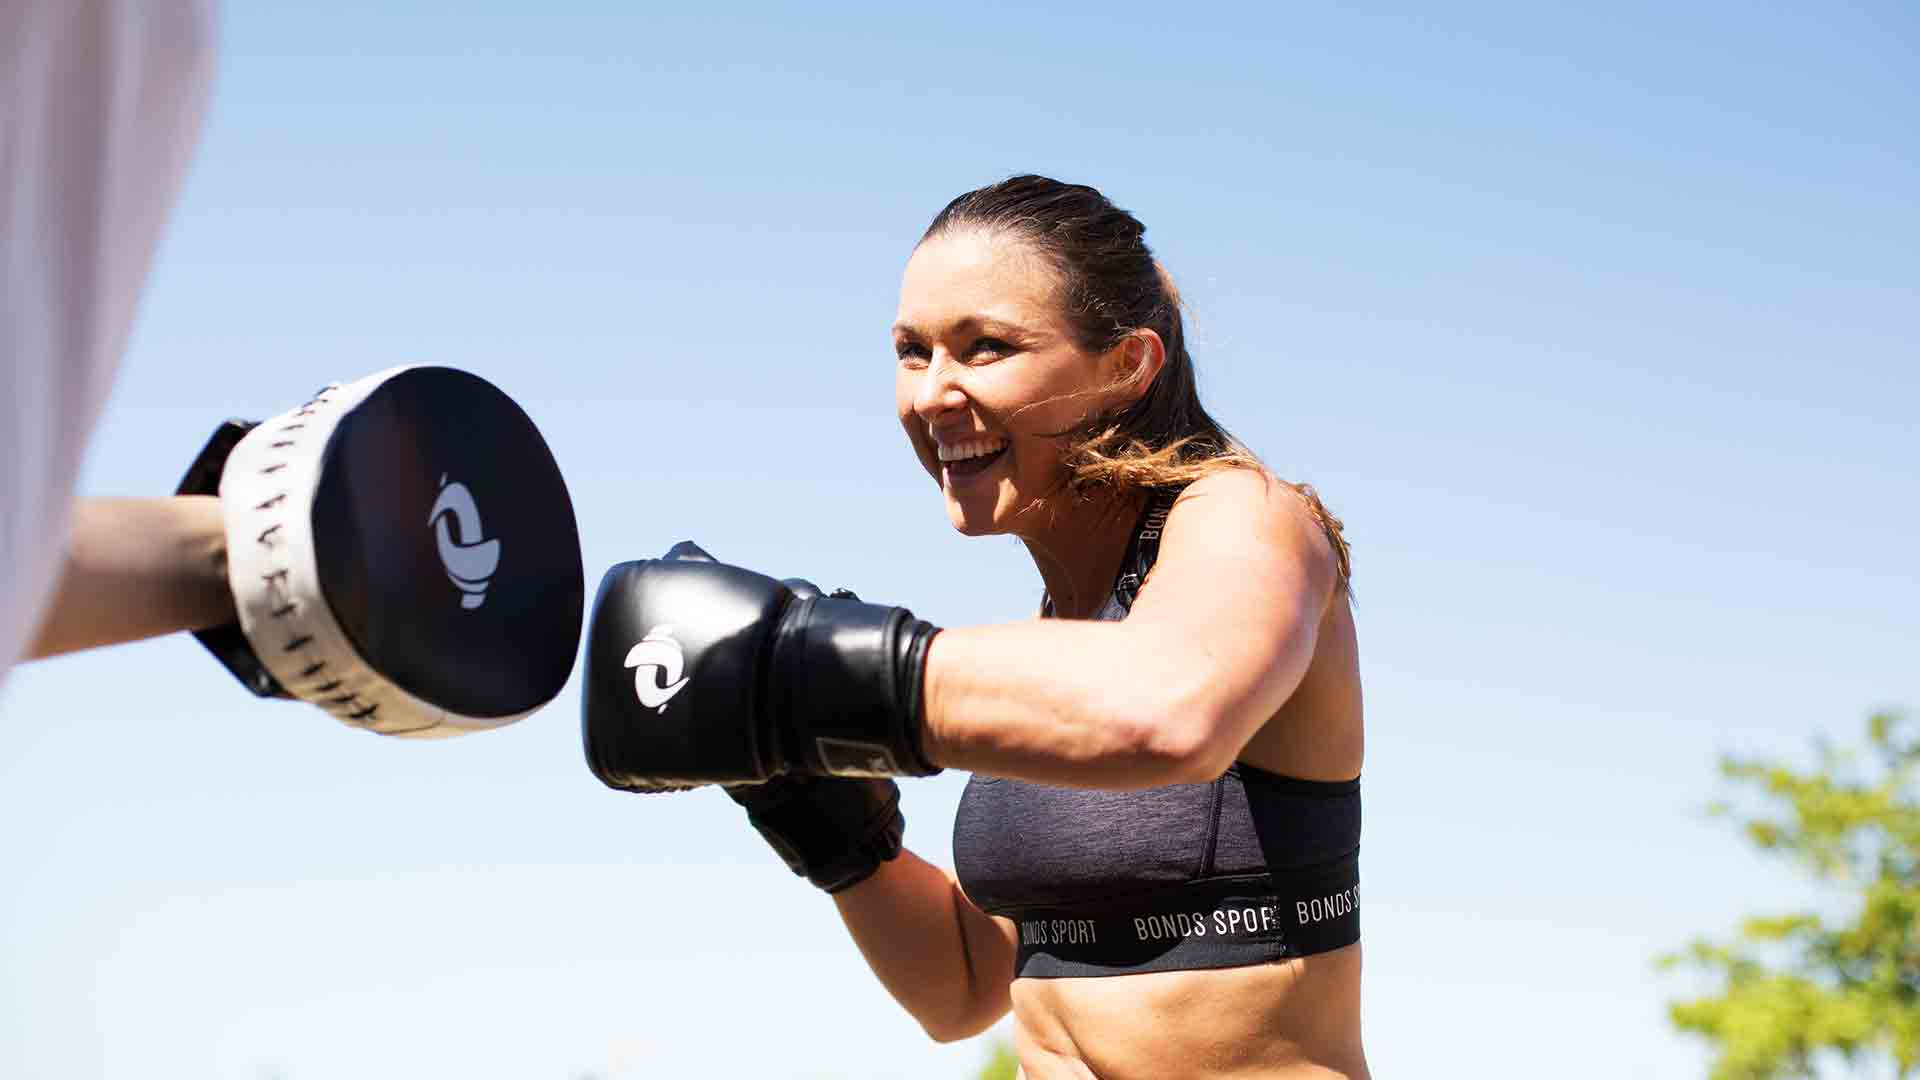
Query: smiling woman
1158, 852
1044, 381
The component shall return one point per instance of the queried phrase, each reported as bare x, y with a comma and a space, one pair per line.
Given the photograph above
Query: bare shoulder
1256, 509
1256, 531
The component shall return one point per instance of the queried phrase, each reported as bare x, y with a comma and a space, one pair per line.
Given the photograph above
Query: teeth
970, 448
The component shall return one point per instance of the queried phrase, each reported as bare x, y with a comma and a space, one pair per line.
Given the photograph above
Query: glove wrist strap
851, 677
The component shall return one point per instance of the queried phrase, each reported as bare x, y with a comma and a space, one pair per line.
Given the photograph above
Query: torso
1291, 1018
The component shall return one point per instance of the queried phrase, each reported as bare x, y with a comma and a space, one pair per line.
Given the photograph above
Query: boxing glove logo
467, 556
657, 652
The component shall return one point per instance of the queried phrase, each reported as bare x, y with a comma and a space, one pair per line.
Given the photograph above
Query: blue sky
1597, 327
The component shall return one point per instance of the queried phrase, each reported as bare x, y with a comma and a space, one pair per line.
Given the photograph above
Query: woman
1158, 853
1029, 309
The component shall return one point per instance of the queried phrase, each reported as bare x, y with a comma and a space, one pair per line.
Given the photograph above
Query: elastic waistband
1212, 924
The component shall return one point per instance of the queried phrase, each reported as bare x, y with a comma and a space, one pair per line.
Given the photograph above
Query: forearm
137, 568
1086, 704
945, 961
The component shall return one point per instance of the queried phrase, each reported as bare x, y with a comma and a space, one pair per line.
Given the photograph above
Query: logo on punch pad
468, 557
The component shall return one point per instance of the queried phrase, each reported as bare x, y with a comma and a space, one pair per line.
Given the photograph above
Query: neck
1077, 549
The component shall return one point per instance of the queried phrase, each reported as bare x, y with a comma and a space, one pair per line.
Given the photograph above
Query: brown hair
1111, 286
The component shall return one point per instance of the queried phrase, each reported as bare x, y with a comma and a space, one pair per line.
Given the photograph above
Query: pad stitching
349, 707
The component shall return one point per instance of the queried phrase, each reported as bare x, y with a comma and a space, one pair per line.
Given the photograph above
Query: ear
1135, 363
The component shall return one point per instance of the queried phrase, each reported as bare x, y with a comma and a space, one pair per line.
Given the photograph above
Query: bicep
1244, 577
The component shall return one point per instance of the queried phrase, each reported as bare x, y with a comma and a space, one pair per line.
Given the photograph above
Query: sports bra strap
1143, 548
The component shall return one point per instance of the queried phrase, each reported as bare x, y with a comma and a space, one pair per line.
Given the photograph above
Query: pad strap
227, 642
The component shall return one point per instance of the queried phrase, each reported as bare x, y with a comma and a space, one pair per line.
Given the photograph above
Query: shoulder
1255, 504
1245, 571
1254, 529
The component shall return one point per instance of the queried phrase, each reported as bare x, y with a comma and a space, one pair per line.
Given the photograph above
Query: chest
1018, 844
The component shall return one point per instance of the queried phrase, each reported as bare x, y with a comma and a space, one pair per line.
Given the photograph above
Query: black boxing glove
698, 672
834, 832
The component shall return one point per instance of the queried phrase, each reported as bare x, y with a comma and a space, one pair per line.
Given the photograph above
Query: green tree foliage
1003, 1065
1797, 989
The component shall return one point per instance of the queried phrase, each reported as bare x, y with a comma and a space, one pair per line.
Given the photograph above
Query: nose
939, 390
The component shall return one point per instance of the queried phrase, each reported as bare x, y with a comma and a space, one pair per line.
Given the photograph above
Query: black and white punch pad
403, 552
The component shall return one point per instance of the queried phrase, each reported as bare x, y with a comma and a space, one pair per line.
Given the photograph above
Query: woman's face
987, 369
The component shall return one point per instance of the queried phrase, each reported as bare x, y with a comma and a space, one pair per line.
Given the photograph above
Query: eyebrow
973, 322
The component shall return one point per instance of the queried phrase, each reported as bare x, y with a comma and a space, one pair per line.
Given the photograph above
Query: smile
970, 456
970, 448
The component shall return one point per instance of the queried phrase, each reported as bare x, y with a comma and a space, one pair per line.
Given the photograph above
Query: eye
911, 353
990, 347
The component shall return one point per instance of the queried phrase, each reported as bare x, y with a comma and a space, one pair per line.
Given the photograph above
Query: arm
700, 672
1217, 641
945, 961
136, 568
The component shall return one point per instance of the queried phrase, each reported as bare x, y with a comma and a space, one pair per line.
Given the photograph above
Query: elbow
1193, 757
1177, 716
957, 1027
1183, 742
948, 1033
966, 1013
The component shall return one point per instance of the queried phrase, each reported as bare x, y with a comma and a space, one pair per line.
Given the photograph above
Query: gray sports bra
1250, 868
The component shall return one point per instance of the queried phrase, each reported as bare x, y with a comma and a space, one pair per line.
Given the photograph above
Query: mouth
964, 460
